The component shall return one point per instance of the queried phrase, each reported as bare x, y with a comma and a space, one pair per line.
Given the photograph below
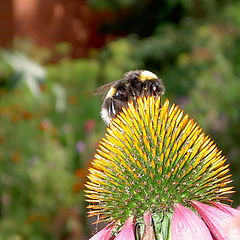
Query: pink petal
226, 208
233, 226
187, 225
104, 234
148, 227
127, 232
218, 219
147, 218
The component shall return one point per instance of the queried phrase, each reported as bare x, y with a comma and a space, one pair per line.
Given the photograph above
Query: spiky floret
153, 156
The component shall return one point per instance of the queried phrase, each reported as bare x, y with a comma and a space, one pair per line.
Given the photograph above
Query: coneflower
156, 175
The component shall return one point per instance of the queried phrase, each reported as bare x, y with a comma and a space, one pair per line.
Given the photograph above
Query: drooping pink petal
233, 226
127, 231
226, 208
148, 233
187, 225
218, 220
147, 217
104, 234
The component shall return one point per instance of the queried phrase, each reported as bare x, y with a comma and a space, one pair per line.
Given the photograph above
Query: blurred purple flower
80, 146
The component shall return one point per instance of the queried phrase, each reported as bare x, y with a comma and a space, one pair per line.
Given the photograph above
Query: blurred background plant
50, 122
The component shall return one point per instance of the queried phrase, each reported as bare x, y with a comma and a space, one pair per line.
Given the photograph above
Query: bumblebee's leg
111, 109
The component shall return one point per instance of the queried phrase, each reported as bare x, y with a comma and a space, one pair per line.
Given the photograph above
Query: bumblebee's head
134, 84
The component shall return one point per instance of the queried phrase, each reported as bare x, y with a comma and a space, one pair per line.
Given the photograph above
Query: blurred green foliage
47, 137
50, 120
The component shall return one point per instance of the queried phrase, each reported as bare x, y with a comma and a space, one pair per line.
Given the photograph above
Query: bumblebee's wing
103, 89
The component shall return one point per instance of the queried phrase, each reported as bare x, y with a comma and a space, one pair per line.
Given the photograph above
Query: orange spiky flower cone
154, 159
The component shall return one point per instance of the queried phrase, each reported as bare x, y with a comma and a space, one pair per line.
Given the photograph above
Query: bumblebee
134, 84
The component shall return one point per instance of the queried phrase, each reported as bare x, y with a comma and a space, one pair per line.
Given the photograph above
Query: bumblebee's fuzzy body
134, 84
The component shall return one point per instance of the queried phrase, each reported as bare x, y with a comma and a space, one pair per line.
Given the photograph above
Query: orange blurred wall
47, 22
